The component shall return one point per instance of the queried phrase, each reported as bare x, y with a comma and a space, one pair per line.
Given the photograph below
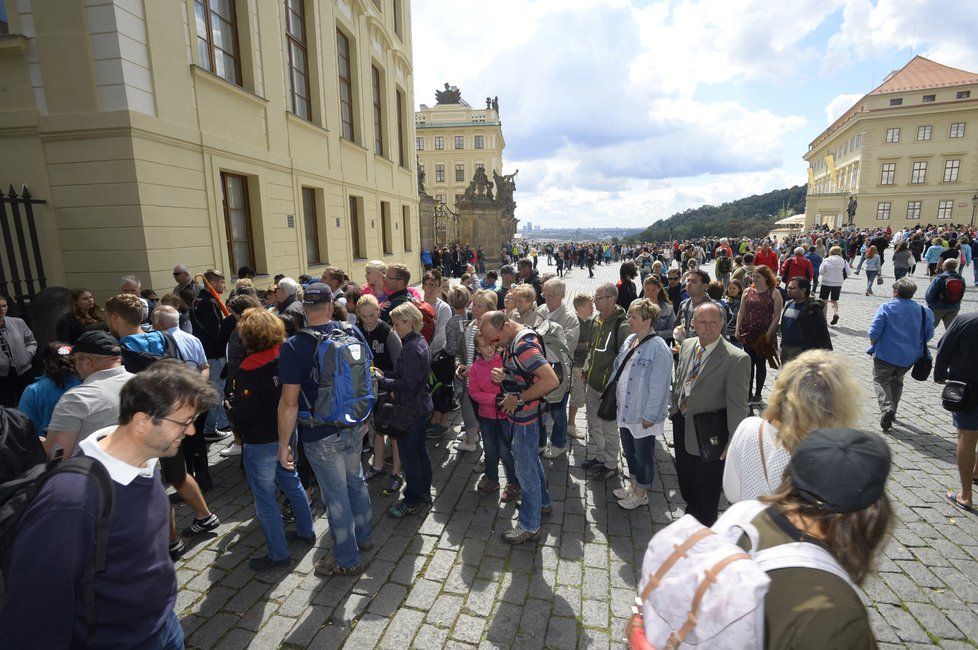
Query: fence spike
25, 193
11, 192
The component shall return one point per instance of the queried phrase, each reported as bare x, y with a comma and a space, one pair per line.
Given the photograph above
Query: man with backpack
945, 293
89, 565
803, 324
308, 386
724, 266
797, 266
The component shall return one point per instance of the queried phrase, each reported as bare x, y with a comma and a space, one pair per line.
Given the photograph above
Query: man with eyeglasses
185, 279
134, 597
674, 288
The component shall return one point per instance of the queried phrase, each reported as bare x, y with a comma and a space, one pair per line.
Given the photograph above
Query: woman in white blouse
815, 390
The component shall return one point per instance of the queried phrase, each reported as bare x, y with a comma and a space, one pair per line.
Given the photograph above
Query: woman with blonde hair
873, 267
376, 273
816, 390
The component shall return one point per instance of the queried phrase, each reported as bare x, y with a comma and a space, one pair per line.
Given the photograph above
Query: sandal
952, 496
328, 567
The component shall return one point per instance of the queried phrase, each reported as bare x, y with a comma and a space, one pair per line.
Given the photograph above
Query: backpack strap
676, 638
802, 555
760, 447
671, 561
171, 348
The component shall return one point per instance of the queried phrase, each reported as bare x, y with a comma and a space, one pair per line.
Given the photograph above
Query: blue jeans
558, 432
217, 418
899, 272
171, 634
497, 440
529, 472
415, 462
335, 460
870, 278
264, 472
639, 456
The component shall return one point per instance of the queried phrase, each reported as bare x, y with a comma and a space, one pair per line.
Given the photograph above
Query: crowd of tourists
322, 384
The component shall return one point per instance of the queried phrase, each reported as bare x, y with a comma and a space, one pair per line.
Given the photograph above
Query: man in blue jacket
945, 293
899, 334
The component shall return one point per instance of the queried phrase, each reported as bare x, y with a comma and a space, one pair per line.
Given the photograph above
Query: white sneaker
554, 452
233, 449
573, 432
467, 446
622, 492
631, 501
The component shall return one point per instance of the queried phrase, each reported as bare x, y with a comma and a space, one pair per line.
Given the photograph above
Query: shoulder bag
921, 369
608, 409
390, 419
958, 397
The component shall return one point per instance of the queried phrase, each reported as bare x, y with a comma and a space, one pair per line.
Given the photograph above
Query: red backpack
953, 290
428, 316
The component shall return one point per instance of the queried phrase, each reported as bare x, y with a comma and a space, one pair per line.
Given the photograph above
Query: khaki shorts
577, 389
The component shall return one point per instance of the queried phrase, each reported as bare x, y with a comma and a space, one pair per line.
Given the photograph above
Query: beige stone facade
283, 143
908, 151
452, 141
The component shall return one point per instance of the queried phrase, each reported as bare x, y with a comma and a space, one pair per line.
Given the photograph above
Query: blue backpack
342, 371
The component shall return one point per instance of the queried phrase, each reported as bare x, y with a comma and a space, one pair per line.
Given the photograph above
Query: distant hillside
753, 216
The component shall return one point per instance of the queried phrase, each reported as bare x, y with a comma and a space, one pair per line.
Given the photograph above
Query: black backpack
136, 360
24, 469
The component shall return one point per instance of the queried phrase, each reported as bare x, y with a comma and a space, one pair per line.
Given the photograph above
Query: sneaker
541, 451
631, 501
544, 510
480, 467
467, 446
373, 473
365, 546
487, 485
264, 563
227, 428
604, 473
204, 525
621, 493
835, 319
555, 452
400, 510
213, 436
177, 547
233, 449
394, 485
427, 498
294, 536
886, 422
518, 535
389, 460
288, 516
573, 432
511, 493
588, 464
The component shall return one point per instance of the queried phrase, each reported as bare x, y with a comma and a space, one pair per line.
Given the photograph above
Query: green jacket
606, 339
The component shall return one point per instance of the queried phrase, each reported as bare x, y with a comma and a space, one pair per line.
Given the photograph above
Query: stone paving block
374, 577
350, 608
423, 594
247, 596
273, 632
445, 610
569, 572
905, 626
596, 584
561, 633
595, 613
236, 639
468, 629
533, 622
481, 598
388, 600
514, 587
308, 625
430, 637
595, 640
440, 564
932, 620
207, 635
258, 615
296, 602
503, 624
402, 629
367, 631
213, 601
966, 621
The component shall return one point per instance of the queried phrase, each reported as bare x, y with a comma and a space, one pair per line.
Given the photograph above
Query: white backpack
700, 589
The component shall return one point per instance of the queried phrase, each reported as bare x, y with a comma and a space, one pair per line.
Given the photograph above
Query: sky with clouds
622, 112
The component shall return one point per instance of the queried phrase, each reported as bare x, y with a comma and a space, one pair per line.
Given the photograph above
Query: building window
406, 226
357, 235
396, 12
957, 130
913, 210
929, 98
951, 168
896, 102
924, 132
386, 240
217, 38
963, 94
883, 211
378, 111
346, 85
419, 144
919, 172
439, 173
237, 221
480, 142
944, 209
888, 173
892, 135
459, 142
401, 131
295, 36
439, 143
309, 219
459, 173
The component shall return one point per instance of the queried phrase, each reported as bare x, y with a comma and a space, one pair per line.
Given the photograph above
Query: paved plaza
445, 579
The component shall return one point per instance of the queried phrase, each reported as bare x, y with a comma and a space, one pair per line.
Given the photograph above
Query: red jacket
769, 259
795, 267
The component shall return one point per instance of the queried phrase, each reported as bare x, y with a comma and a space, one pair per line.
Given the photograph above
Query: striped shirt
521, 359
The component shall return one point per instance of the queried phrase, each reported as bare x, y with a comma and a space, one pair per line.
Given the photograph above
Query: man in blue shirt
816, 261
899, 334
333, 453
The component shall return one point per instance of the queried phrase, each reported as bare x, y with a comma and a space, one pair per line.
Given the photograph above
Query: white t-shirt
743, 474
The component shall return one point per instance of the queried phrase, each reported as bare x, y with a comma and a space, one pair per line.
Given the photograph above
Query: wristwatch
519, 400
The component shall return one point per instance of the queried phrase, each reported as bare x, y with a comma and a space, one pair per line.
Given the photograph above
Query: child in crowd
584, 306
492, 421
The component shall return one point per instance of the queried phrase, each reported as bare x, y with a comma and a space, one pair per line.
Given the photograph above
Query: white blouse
743, 473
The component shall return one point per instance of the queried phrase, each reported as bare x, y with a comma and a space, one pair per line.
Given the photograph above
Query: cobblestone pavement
445, 579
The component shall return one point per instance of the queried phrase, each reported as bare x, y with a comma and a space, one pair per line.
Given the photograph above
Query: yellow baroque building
453, 140
907, 152
274, 134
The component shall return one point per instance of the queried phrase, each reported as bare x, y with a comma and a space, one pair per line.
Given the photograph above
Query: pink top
481, 388
367, 290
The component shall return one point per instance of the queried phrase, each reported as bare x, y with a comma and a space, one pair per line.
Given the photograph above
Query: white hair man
287, 303
555, 311
130, 284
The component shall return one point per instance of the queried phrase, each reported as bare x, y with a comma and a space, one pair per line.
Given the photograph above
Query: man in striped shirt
525, 378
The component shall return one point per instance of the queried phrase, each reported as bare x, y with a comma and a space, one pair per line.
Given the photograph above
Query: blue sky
622, 112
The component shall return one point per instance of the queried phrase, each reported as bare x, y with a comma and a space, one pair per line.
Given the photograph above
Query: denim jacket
647, 393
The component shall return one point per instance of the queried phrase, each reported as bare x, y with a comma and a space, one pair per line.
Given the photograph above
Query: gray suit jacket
723, 382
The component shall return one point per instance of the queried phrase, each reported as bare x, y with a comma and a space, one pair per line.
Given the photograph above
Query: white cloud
840, 105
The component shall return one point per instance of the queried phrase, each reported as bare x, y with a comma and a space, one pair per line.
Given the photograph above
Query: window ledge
13, 44
352, 144
303, 122
200, 73
958, 182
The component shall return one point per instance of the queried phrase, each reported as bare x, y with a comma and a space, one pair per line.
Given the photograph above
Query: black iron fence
21, 266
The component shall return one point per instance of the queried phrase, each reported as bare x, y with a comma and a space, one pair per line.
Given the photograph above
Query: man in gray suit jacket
712, 374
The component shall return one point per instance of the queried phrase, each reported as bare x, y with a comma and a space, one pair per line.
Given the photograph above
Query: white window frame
883, 211
924, 132
952, 169
892, 136
914, 209
918, 173
888, 174
945, 210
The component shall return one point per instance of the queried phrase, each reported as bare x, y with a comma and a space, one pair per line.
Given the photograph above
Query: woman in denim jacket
643, 395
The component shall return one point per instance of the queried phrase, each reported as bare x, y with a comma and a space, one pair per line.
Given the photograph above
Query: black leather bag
608, 408
393, 420
921, 369
958, 397
712, 434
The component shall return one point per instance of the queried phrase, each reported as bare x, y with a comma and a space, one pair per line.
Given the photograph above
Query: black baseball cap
317, 293
840, 470
97, 342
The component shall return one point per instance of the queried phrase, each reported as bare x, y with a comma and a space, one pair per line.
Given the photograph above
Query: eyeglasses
183, 425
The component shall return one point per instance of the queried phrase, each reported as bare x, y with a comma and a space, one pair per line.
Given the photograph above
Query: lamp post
974, 205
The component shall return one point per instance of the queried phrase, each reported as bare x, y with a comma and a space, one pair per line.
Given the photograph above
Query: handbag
958, 397
390, 419
712, 434
879, 279
921, 369
608, 408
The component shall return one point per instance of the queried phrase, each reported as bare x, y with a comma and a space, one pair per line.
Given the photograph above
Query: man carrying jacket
609, 330
803, 325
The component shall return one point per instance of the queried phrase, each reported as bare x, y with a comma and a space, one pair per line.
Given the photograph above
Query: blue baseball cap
317, 293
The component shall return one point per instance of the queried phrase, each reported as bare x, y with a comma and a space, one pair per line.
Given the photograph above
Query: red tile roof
924, 74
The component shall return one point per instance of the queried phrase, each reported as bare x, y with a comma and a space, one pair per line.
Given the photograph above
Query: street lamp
974, 205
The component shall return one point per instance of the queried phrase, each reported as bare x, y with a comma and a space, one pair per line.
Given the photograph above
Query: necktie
694, 372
